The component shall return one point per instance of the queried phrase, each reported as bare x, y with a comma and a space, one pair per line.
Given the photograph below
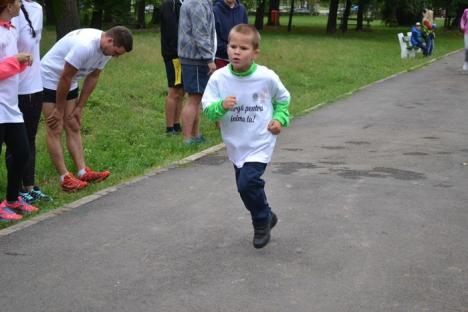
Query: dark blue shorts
195, 78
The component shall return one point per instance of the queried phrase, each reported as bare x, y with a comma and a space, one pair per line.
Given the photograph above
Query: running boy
252, 105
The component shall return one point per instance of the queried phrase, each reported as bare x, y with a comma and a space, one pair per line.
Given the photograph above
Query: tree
140, 9
332, 14
259, 14
344, 19
66, 13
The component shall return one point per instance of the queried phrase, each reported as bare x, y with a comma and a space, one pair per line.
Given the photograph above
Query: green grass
123, 122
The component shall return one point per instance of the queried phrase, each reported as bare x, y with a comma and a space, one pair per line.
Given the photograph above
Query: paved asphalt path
371, 196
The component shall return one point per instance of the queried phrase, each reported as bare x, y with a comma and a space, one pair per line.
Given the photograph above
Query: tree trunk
360, 16
344, 19
291, 12
49, 12
66, 12
155, 17
333, 12
141, 14
96, 18
259, 15
274, 5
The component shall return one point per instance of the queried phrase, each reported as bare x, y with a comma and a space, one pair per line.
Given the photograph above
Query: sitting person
417, 39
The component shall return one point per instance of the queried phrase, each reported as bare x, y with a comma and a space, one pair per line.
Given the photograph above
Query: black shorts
50, 96
173, 72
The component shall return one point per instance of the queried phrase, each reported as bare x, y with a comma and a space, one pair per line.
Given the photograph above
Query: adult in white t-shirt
29, 29
80, 54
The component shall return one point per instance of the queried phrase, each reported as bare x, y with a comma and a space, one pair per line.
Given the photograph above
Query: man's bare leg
54, 146
73, 136
189, 115
174, 101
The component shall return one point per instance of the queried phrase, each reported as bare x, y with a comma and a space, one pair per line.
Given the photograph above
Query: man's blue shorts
195, 78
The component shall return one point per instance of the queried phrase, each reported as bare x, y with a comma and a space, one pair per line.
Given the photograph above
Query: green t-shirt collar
248, 72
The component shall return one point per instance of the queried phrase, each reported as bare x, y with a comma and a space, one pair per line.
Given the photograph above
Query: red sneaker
94, 176
71, 184
7, 214
20, 206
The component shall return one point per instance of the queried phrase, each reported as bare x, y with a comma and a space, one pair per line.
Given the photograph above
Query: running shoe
8, 215
20, 206
27, 196
94, 176
71, 184
37, 194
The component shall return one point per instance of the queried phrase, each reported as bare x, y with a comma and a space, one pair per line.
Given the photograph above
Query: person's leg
73, 136
251, 189
465, 65
31, 107
54, 145
189, 115
174, 99
16, 140
250, 186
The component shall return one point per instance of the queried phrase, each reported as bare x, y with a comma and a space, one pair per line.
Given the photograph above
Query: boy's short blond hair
246, 29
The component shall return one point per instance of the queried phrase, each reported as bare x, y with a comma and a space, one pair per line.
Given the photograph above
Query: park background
123, 125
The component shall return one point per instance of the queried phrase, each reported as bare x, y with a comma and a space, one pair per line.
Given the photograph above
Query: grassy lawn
124, 123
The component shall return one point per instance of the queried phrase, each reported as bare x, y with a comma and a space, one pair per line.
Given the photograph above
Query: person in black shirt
170, 10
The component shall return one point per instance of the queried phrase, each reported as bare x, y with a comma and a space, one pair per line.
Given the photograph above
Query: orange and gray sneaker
94, 176
20, 206
72, 184
7, 214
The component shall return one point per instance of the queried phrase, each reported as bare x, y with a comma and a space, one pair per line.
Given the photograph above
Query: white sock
62, 177
81, 172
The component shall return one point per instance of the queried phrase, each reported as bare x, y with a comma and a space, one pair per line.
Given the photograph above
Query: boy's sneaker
8, 215
262, 231
20, 206
465, 66
37, 194
94, 176
199, 139
27, 196
71, 184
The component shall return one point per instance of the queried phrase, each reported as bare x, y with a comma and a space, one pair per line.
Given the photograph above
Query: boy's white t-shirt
244, 128
9, 110
30, 79
81, 49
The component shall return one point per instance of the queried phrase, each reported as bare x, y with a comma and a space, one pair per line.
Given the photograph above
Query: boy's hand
24, 58
229, 102
274, 127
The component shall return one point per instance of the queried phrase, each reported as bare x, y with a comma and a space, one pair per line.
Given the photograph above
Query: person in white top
12, 129
80, 54
29, 28
252, 105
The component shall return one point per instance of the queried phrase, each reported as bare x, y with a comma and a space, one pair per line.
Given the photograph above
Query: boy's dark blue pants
251, 189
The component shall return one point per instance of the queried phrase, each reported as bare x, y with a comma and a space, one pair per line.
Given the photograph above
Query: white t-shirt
79, 48
30, 78
9, 111
244, 128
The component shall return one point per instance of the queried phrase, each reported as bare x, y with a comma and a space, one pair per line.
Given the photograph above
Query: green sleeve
281, 112
215, 111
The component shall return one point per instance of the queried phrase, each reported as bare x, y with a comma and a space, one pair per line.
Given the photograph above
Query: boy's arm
212, 102
281, 112
215, 111
280, 101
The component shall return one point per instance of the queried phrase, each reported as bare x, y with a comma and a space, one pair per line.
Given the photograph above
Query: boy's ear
256, 52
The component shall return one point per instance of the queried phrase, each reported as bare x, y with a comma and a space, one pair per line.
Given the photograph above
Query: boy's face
241, 51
